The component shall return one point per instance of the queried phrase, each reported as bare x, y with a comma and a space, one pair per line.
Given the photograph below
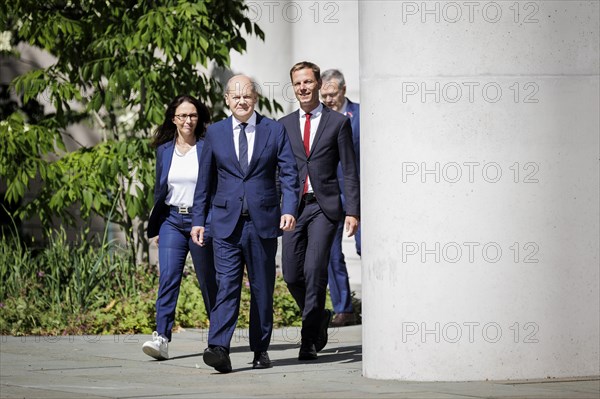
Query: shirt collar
314, 113
250, 122
344, 109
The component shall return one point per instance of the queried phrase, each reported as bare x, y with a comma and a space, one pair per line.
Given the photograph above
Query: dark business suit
174, 244
306, 249
339, 284
239, 239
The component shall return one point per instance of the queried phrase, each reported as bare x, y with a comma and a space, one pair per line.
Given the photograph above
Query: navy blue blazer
272, 152
160, 211
332, 145
352, 112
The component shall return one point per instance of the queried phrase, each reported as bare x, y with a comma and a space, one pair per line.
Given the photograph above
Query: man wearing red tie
321, 139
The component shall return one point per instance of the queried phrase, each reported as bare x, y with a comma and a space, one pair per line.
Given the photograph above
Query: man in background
333, 94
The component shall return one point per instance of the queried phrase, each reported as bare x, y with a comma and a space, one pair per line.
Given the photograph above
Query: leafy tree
117, 64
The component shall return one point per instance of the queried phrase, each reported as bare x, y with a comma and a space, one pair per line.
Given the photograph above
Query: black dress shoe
261, 360
218, 358
322, 338
307, 352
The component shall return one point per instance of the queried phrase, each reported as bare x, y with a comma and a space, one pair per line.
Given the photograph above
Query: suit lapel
261, 137
295, 135
199, 145
320, 128
350, 109
166, 165
229, 145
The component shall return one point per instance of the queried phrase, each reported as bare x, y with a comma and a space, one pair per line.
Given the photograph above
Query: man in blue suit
333, 94
244, 152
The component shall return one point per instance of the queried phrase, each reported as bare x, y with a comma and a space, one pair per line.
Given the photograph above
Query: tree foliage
117, 63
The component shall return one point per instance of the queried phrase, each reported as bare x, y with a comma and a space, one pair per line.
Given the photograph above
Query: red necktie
306, 146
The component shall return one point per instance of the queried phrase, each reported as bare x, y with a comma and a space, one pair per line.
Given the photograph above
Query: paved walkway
115, 367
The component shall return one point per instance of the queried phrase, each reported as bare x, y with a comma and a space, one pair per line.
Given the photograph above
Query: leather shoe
307, 351
322, 338
343, 319
217, 357
261, 360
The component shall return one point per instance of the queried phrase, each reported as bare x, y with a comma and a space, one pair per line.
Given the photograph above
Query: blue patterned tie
243, 141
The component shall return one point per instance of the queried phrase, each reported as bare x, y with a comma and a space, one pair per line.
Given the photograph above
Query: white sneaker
158, 348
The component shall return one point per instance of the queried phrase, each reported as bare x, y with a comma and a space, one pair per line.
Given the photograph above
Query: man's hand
351, 225
198, 235
288, 222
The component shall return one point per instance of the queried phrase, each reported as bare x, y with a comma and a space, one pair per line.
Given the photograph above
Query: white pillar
480, 171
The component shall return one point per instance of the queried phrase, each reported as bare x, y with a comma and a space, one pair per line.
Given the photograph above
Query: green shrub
90, 286
285, 310
190, 305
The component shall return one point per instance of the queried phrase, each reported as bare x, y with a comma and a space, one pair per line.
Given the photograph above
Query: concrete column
480, 145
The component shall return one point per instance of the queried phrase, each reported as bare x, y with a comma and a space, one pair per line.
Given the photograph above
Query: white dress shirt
250, 134
344, 107
315, 118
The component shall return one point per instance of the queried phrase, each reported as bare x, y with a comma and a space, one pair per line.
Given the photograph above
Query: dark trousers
244, 246
306, 252
339, 284
174, 243
357, 241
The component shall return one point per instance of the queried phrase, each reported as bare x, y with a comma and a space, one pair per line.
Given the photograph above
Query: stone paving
115, 367
110, 366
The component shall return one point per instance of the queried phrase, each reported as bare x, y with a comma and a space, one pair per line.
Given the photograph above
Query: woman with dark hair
178, 143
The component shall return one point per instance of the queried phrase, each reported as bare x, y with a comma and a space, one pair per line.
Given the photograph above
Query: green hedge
92, 287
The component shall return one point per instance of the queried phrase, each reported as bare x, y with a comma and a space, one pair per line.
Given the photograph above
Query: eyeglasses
183, 117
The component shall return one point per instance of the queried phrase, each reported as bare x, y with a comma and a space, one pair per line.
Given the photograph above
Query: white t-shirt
182, 178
